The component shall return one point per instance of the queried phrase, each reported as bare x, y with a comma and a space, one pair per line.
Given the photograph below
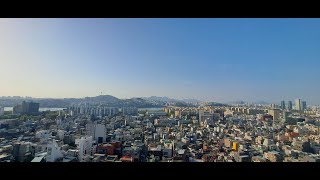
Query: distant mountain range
244, 102
195, 101
217, 104
236, 102
107, 100
162, 99
166, 99
262, 102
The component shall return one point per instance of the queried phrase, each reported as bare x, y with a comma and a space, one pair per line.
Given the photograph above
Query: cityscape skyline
104, 132
283, 104
217, 60
159, 90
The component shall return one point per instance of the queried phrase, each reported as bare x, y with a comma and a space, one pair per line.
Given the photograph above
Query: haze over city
208, 59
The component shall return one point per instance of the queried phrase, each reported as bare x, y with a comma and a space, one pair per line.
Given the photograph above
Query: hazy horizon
217, 60
202, 100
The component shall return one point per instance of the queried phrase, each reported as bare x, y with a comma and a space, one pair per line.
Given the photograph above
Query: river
40, 109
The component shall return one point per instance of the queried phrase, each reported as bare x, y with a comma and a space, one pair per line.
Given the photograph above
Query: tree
23, 117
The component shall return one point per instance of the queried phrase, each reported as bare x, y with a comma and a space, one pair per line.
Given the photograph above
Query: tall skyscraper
298, 105
283, 105
289, 105
304, 105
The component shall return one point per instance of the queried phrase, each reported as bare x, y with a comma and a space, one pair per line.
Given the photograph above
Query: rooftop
38, 159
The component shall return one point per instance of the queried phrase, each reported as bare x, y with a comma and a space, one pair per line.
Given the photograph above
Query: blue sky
209, 59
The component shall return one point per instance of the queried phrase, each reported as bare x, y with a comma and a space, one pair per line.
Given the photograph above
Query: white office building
97, 131
53, 152
100, 134
85, 148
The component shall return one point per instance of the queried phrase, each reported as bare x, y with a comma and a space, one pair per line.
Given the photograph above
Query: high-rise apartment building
275, 113
129, 111
85, 148
177, 113
97, 131
26, 108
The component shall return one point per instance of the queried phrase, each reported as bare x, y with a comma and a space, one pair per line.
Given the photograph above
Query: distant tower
289, 105
274, 106
304, 105
283, 105
298, 105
